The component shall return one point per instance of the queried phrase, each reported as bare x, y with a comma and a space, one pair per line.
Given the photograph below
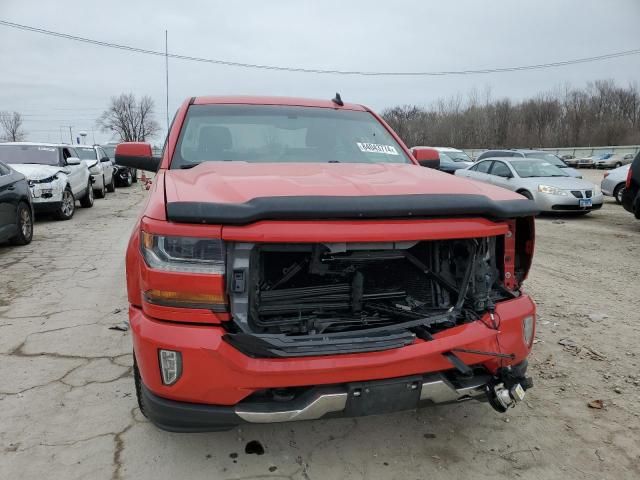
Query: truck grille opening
318, 289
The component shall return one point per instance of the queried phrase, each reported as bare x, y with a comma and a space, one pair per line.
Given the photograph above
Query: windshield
110, 150
536, 168
269, 133
458, 156
29, 154
86, 153
549, 157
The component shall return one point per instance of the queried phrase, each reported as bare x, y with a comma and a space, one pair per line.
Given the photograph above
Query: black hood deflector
348, 207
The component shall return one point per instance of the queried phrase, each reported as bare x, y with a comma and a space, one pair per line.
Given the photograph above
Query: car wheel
103, 191
138, 383
134, 175
87, 200
618, 164
67, 205
526, 194
128, 179
618, 192
25, 225
112, 185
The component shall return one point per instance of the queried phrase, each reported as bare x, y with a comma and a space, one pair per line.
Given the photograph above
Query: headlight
183, 254
43, 180
551, 190
528, 324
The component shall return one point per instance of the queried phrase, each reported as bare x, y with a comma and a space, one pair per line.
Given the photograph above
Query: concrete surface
68, 409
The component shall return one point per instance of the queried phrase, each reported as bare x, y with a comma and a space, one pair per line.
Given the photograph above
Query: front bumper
350, 400
566, 203
215, 373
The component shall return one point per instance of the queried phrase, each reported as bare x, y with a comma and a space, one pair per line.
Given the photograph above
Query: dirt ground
68, 410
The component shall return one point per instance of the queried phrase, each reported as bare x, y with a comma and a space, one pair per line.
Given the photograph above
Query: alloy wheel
26, 223
67, 203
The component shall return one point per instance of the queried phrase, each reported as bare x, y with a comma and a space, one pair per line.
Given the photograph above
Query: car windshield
110, 150
549, 157
270, 133
458, 156
536, 168
41, 155
86, 153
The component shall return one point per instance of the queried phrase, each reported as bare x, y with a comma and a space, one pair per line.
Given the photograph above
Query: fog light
170, 366
528, 324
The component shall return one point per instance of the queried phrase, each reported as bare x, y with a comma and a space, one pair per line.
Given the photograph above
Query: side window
66, 153
504, 154
500, 170
483, 167
4, 170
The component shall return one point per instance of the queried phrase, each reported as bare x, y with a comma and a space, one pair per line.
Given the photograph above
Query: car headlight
43, 180
183, 254
551, 190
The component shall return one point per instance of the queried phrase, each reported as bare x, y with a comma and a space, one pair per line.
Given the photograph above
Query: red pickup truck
294, 261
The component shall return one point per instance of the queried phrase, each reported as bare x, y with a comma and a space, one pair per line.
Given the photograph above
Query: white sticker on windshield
377, 148
46, 149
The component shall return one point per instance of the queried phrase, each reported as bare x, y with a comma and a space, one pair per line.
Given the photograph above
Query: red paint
510, 257
364, 231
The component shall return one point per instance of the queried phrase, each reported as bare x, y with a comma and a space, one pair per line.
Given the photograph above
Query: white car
101, 168
614, 182
56, 176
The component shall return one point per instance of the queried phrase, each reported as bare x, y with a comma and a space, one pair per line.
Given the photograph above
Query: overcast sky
56, 82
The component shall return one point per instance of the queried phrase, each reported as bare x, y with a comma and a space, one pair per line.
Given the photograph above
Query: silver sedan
552, 189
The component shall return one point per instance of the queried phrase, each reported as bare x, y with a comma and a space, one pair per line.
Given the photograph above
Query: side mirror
137, 155
427, 157
73, 161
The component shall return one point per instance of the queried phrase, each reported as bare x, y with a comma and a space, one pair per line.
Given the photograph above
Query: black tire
87, 200
618, 164
138, 384
617, 193
112, 186
103, 191
24, 221
67, 206
128, 178
134, 175
526, 194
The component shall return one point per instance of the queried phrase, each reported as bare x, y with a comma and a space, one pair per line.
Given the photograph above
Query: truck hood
239, 182
241, 193
36, 172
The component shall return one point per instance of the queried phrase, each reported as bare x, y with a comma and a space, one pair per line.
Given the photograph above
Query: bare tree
130, 119
600, 114
11, 124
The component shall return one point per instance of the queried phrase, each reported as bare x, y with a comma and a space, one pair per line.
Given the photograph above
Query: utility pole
166, 67
70, 132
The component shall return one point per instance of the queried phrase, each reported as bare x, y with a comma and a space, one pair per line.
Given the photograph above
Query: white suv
56, 176
100, 167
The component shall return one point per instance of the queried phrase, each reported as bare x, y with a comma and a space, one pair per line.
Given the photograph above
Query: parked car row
37, 178
603, 160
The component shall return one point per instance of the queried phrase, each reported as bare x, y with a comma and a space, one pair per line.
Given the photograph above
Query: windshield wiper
189, 165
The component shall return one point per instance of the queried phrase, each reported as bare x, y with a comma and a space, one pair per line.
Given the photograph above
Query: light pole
83, 134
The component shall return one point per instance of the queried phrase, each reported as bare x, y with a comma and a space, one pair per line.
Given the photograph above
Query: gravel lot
68, 410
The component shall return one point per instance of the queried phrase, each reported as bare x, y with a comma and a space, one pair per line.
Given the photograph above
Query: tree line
602, 113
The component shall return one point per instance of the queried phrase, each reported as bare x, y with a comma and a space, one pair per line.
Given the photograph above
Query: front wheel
138, 384
617, 194
87, 200
25, 225
67, 205
103, 191
618, 164
112, 185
